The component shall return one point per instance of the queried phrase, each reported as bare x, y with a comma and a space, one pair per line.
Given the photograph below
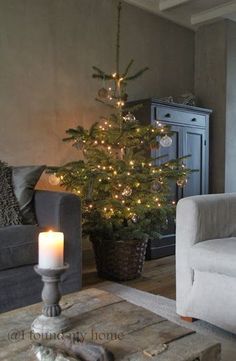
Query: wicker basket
119, 260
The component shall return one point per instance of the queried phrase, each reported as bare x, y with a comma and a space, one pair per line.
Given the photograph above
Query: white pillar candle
51, 249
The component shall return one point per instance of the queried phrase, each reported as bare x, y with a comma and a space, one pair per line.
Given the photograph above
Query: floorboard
158, 277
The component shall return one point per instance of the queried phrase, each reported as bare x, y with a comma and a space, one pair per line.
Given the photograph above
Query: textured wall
210, 88
47, 49
215, 79
230, 147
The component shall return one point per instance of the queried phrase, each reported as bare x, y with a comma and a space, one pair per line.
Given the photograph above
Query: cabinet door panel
194, 144
172, 152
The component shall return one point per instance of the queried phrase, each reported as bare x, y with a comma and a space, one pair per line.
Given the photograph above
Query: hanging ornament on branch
127, 192
103, 93
53, 179
155, 186
129, 117
79, 144
166, 141
182, 182
134, 218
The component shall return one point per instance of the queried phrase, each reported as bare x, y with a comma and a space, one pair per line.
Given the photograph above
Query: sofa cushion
215, 255
18, 246
24, 180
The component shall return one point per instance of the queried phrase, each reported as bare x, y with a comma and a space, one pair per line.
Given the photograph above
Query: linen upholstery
206, 292
211, 256
20, 285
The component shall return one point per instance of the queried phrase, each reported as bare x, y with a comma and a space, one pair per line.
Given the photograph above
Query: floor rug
166, 308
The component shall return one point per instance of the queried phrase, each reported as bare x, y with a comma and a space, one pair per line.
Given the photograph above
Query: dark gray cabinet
190, 127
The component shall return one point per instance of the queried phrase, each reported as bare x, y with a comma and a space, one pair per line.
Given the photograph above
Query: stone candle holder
51, 320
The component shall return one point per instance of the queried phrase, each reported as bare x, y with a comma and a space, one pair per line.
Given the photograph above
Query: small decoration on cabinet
166, 141
187, 99
168, 99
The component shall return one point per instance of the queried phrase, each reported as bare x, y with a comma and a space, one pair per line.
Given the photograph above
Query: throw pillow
9, 207
24, 180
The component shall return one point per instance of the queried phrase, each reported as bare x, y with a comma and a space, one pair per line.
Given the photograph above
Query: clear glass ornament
134, 218
103, 93
129, 117
53, 179
78, 144
156, 186
182, 182
127, 192
166, 141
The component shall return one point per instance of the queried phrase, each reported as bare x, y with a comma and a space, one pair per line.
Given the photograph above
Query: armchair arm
62, 212
199, 218
205, 217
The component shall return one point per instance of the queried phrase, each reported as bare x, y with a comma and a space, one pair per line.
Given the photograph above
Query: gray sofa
19, 284
206, 259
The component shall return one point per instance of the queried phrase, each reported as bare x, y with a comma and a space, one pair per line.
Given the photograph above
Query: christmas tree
125, 192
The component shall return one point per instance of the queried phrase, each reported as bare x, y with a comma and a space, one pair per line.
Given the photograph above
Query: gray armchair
206, 259
19, 284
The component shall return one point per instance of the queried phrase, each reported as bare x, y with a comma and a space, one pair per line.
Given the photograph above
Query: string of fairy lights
121, 192
119, 171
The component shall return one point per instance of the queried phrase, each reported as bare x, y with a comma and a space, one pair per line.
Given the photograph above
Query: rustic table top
131, 332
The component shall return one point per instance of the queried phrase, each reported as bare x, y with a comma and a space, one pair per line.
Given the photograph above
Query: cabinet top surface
173, 105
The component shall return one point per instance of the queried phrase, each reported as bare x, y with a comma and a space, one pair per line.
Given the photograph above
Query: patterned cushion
9, 207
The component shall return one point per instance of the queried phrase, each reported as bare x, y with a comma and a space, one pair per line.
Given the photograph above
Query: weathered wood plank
130, 331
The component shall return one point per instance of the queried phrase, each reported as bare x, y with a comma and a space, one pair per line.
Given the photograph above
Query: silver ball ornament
166, 141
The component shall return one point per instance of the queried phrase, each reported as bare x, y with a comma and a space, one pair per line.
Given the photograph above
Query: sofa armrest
206, 217
61, 211
198, 219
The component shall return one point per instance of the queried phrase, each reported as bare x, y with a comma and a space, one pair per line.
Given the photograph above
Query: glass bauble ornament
156, 186
182, 182
166, 141
134, 218
78, 144
103, 93
127, 192
53, 179
129, 117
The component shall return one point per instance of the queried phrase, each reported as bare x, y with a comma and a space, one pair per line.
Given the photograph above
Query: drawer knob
193, 119
167, 115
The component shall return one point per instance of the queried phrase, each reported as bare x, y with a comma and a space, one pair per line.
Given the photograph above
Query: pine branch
128, 68
138, 74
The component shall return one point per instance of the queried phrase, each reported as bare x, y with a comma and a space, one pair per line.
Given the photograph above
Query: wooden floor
158, 277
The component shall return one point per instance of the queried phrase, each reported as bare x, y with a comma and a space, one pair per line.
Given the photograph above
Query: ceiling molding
169, 4
213, 13
152, 6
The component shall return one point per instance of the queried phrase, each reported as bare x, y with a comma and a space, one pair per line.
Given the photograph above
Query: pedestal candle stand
51, 320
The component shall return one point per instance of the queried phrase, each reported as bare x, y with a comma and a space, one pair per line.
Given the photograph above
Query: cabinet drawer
177, 116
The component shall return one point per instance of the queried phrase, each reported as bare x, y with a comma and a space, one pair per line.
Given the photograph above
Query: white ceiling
190, 13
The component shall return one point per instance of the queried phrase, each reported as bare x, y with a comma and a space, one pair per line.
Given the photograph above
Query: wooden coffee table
131, 332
